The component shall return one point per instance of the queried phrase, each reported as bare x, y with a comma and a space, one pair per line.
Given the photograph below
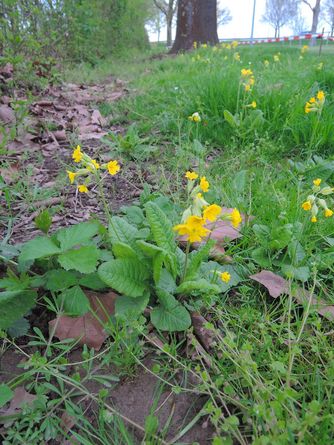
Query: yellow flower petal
82, 189
204, 184
71, 176
317, 182
113, 167
191, 175
307, 205
225, 276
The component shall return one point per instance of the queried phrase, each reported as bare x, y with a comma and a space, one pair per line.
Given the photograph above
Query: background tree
315, 13
299, 23
156, 21
328, 15
196, 22
223, 16
279, 13
168, 8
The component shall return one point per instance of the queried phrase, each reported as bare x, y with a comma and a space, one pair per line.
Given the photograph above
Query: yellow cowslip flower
276, 58
247, 87
195, 117
212, 212
321, 96
82, 188
320, 66
307, 205
328, 213
95, 163
204, 184
225, 276
266, 63
314, 219
113, 167
234, 44
253, 104
191, 175
315, 103
77, 154
317, 182
193, 229
204, 45
236, 57
195, 45
236, 218
246, 72
304, 49
228, 46
71, 176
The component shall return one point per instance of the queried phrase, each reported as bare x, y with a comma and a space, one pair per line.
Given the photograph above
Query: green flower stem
186, 262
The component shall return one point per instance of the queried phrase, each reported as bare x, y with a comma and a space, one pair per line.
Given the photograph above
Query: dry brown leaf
277, 286
21, 397
87, 329
7, 115
204, 335
97, 118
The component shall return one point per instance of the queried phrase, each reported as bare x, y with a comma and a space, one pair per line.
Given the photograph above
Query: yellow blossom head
77, 154
191, 175
195, 117
328, 213
113, 167
317, 182
236, 218
225, 277
307, 205
82, 188
71, 176
95, 163
204, 184
314, 219
193, 229
212, 212
266, 63
253, 104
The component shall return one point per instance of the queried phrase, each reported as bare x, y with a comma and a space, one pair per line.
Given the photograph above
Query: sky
240, 26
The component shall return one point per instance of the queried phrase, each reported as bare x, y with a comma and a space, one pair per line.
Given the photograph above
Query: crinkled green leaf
170, 315
83, 260
125, 275
39, 247
15, 304
77, 234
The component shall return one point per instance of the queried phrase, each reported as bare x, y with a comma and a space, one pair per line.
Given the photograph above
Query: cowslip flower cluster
320, 66
200, 212
314, 201
304, 49
195, 117
88, 169
315, 104
236, 57
266, 63
247, 79
277, 57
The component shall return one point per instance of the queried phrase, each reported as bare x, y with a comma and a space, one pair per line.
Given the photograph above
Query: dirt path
35, 164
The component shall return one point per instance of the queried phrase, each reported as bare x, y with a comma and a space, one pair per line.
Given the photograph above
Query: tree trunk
169, 23
315, 18
196, 22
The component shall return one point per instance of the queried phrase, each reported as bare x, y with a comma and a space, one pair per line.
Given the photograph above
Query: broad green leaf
261, 257
196, 258
83, 260
122, 250
75, 302
296, 252
19, 328
59, 279
161, 228
6, 394
166, 282
148, 249
262, 232
211, 271
15, 304
299, 273
230, 119
199, 286
43, 221
158, 261
39, 247
130, 308
134, 214
92, 281
125, 275
170, 315
120, 231
77, 234
280, 237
